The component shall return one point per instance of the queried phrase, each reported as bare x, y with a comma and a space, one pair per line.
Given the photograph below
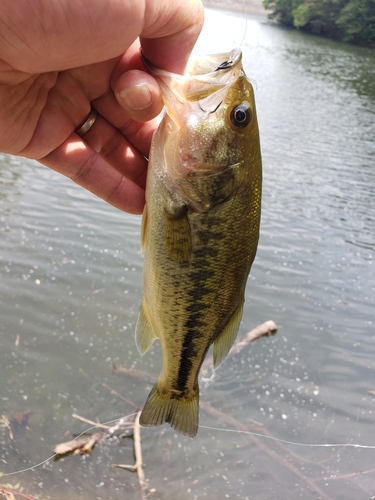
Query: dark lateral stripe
189, 351
193, 326
200, 274
186, 366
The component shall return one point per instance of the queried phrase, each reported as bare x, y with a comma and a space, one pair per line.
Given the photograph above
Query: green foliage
282, 10
357, 21
319, 17
348, 20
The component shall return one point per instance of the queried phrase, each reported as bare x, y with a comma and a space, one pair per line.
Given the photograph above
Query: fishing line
55, 454
221, 429
244, 36
279, 440
246, 17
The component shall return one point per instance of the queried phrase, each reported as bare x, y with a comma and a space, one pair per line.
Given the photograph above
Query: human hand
57, 59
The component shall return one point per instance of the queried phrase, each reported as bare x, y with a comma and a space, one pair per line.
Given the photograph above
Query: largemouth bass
200, 228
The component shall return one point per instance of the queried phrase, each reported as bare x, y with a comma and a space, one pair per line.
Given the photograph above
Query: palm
43, 100
49, 108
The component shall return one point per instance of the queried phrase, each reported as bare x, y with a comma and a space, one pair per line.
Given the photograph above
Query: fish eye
241, 115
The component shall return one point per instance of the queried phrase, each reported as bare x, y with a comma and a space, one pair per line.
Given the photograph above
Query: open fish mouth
204, 75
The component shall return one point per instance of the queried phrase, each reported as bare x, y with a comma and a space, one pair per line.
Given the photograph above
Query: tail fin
181, 413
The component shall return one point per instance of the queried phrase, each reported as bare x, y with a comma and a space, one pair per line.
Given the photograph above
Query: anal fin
225, 340
144, 334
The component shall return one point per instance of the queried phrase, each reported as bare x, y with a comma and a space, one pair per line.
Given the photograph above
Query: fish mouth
199, 66
204, 76
214, 63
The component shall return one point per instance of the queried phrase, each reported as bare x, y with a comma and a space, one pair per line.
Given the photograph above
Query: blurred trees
348, 20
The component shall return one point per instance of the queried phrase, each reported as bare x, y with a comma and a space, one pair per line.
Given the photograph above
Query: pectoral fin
144, 334
225, 340
177, 234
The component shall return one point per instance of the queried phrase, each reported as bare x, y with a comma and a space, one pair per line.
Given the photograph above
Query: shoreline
254, 7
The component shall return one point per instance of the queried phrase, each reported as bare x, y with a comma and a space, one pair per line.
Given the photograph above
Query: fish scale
200, 229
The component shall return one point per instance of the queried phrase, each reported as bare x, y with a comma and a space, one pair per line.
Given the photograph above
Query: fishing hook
209, 112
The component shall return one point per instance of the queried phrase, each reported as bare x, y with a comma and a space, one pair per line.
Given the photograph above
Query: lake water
70, 289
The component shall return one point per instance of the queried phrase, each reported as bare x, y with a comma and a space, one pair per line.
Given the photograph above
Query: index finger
170, 32
62, 35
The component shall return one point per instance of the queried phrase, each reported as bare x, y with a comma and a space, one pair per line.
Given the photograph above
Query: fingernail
137, 97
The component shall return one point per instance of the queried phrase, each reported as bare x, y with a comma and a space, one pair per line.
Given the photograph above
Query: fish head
210, 127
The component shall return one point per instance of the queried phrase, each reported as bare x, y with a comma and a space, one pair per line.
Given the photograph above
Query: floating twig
4, 422
86, 443
138, 466
11, 493
91, 422
82, 445
6, 493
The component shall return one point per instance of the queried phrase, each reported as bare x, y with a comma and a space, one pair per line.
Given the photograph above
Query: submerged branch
351, 475
265, 329
235, 424
121, 371
85, 444
118, 395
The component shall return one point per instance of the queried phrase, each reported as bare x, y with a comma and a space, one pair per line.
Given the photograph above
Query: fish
200, 228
